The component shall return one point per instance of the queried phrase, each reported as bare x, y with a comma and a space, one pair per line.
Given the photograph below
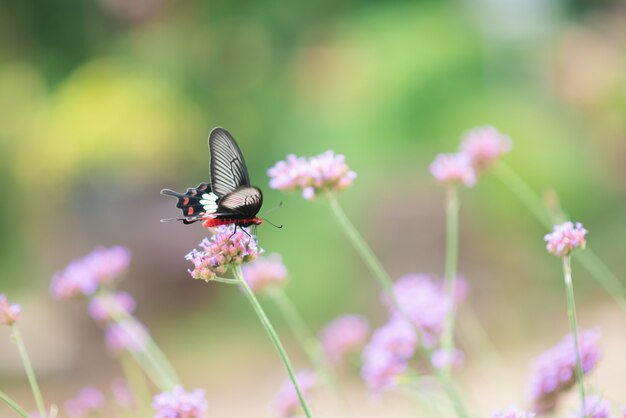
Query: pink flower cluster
105, 307
287, 403
9, 313
265, 272
513, 413
441, 358
386, 356
326, 172
595, 407
86, 275
88, 401
480, 148
223, 251
180, 404
344, 335
565, 238
554, 371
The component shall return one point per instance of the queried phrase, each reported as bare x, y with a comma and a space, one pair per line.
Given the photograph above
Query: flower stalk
272, 334
452, 251
571, 313
14, 405
28, 368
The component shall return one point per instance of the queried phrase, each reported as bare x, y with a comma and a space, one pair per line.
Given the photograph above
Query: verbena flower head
223, 251
9, 313
265, 272
453, 169
180, 404
107, 306
286, 402
344, 335
512, 413
441, 358
424, 300
381, 368
554, 371
88, 401
483, 146
565, 238
326, 172
85, 275
595, 407
127, 335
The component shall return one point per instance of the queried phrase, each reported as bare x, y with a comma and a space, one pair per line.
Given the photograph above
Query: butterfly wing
243, 203
195, 202
228, 168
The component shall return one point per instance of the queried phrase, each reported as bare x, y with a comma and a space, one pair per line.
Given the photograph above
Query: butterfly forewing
228, 168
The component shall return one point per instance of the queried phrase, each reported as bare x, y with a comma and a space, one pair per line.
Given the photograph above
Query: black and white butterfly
228, 198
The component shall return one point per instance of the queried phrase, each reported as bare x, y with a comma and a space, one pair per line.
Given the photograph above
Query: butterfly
228, 198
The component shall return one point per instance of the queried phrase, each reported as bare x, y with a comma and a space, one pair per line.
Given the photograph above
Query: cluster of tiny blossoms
344, 335
327, 172
286, 402
180, 404
425, 304
595, 407
554, 371
480, 148
224, 250
9, 313
90, 273
265, 272
565, 238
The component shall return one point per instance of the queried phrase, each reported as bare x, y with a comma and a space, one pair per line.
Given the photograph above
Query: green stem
452, 250
272, 334
28, 368
138, 387
589, 260
309, 343
364, 251
571, 313
14, 405
224, 280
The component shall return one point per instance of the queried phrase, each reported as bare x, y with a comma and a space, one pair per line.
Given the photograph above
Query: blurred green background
103, 103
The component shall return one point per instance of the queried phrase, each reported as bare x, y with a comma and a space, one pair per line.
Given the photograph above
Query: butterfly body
228, 198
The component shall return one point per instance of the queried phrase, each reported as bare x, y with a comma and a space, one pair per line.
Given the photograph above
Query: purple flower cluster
387, 354
595, 407
512, 413
287, 403
565, 238
9, 313
265, 272
326, 172
483, 146
480, 148
180, 404
424, 300
88, 401
127, 335
554, 371
105, 307
223, 251
441, 358
86, 275
344, 335
453, 169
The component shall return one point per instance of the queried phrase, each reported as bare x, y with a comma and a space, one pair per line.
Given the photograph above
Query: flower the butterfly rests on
228, 198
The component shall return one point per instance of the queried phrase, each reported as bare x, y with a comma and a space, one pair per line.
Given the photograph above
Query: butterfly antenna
280, 204
272, 223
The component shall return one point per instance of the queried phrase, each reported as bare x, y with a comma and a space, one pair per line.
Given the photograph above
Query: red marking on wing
190, 211
185, 201
194, 192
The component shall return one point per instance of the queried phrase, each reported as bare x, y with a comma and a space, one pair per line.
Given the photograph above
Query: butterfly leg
234, 232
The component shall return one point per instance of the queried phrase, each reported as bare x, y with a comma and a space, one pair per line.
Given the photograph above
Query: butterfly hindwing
228, 168
243, 203
195, 202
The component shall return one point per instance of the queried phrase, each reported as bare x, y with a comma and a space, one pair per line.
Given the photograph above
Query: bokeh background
103, 103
